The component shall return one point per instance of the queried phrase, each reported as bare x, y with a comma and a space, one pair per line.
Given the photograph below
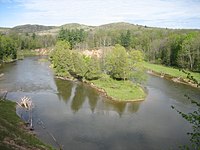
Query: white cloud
94, 12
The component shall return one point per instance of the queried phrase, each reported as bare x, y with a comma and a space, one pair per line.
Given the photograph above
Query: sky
154, 13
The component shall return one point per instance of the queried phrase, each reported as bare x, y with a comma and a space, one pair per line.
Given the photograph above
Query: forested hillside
171, 47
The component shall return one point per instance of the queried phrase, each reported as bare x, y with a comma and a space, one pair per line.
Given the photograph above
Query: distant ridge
53, 30
31, 28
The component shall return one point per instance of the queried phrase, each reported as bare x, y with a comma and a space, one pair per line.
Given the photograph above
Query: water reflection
80, 96
64, 89
80, 118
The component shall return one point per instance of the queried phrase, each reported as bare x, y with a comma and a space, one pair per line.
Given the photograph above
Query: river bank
78, 116
176, 75
13, 132
118, 91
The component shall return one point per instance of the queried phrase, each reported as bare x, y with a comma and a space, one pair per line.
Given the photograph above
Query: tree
61, 58
79, 66
117, 63
72, 36
188, 51
93, 68
125, 40
175, 46
122, 65
8, 48
137, 70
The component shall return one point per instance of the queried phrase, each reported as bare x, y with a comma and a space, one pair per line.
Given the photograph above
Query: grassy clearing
13, 134
170, 71
120, 90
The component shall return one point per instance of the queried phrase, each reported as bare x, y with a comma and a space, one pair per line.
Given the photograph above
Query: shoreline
102, 91
172, 78
16, 135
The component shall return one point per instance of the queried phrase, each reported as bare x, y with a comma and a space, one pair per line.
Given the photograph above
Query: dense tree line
123, 65
8, 48
12, 43
69, 63
74, 37
32, 41
177, 48
118, 63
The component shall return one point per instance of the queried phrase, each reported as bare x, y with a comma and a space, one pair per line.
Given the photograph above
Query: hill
28, 28
53, 30
69, 26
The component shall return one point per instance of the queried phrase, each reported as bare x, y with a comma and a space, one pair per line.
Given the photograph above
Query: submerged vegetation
13, 133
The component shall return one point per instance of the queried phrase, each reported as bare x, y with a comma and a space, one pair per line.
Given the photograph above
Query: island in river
78, 116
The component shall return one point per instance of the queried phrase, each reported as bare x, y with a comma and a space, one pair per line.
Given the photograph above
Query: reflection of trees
133, 107
118, 107
92, 98
64, 89
121, 107
79, 93
79, 98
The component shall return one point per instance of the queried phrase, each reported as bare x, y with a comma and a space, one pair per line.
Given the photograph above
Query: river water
81, 119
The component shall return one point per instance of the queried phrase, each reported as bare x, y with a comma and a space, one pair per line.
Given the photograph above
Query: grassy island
120, 90
13, 133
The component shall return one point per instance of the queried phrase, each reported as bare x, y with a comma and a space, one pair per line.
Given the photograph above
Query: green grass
120, 90
13, 134
170, 71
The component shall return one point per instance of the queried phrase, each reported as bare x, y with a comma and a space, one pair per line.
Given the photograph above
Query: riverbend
79, 117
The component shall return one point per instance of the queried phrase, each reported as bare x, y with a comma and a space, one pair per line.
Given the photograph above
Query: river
80, 118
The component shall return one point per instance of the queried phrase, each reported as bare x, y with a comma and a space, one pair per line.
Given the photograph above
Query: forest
179, 48
13, 44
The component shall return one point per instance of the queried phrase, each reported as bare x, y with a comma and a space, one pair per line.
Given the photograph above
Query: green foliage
117, 65
93, 69
175, 46
125, 40
120, 90
35, 41
8, 49
72, 36
170, 71
136, 66
69, 63
122, 65
14, 46
189, 52
79, 66
171, 47
61, 58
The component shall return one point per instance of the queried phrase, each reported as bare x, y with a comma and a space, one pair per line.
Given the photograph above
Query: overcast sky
156, 13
